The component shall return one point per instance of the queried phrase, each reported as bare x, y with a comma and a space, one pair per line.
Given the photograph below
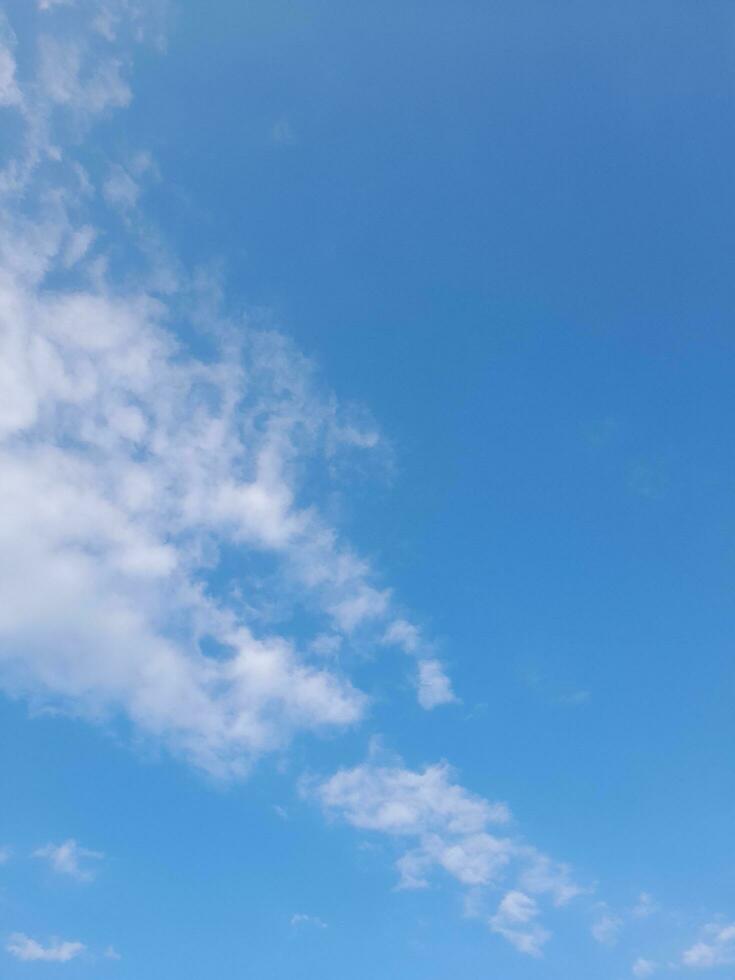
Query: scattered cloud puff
5, 853
644, 907
716, 948
403, 634
112, 954
448, 829
70, 859
607, 929
515, 921
644, 968
434, 687
22, 947
300, 919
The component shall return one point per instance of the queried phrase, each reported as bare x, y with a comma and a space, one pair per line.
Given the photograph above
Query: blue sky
366, 495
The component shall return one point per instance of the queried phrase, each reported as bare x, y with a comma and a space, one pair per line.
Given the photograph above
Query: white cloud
22, 947
717, 947
70, 859
435, 688
606, 929
112, 954
326, 644
403, 634
70, 77
644, 907
514, 920
543, 876
446, 828
447, 823
9, 91
120, 189
300, 919
128, 466
644, 968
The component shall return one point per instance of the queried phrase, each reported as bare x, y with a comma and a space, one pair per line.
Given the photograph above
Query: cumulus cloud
716, 947
156, 503
449, 829
22, 947
644, 968
70, 859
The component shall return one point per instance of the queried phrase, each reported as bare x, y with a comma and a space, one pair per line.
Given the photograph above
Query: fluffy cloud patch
160, 512
22, 947
644, 968
716, 948
448, 829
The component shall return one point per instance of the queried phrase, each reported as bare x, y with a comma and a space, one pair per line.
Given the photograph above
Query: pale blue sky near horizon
505, 229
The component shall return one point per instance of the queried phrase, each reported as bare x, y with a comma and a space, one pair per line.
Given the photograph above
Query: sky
367, 508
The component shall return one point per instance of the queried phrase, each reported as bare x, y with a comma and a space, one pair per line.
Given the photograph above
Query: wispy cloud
70, 859
515, 921
22, 947
644, 907
606, 929
301, 919
644, 968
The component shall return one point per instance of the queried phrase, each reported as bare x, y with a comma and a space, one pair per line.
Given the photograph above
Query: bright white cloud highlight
22, 947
